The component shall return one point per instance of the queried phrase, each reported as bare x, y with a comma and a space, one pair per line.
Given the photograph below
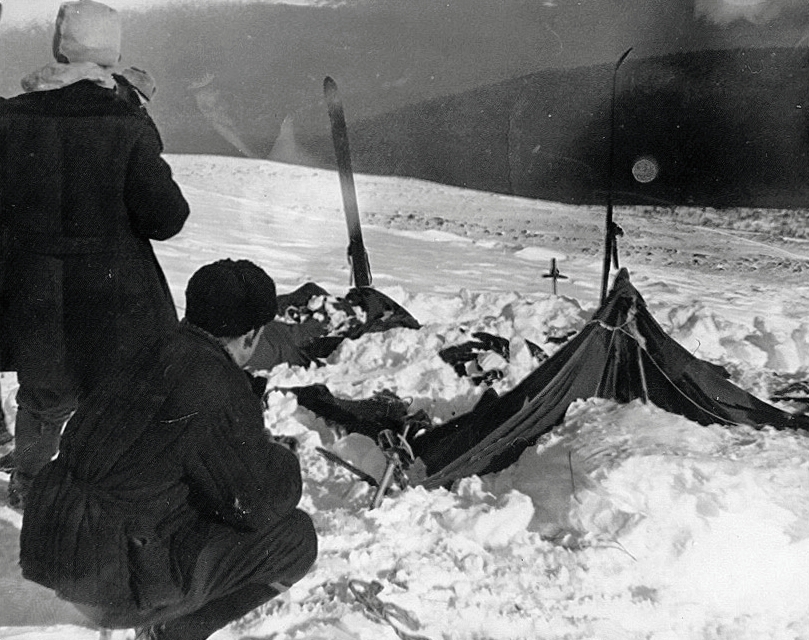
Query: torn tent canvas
621, 354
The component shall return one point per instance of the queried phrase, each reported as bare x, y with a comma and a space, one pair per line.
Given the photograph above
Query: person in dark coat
5, 434
170, 507
82, 192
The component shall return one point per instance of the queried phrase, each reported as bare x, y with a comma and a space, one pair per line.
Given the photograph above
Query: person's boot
215, 615
18, 487
35, 442
5, 434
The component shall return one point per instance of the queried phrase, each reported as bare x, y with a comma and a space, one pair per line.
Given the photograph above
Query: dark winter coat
146, 466
83, 189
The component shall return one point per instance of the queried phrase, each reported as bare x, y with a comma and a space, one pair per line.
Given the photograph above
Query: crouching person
170, 508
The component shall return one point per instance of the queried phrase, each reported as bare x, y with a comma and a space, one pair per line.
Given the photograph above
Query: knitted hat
87, 31
230, 298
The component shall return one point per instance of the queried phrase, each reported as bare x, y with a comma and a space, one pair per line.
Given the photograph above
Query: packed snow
626, 522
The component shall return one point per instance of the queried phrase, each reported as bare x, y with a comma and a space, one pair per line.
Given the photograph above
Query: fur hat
230, 298
87, 31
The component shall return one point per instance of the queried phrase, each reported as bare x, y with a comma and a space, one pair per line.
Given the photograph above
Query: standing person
170, 507
82, 192
5, 435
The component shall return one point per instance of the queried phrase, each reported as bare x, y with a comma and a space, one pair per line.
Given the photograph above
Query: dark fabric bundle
305, 336
461, 355
368, 417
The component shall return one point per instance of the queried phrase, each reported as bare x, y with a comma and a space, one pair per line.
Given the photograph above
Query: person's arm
157, 208
236, 472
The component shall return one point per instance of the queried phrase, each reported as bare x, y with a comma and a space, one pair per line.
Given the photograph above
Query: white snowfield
626, 523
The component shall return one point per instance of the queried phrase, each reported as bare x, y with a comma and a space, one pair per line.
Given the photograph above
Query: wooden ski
357, 256
611, 230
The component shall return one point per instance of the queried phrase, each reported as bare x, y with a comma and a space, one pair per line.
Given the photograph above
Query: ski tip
329, 83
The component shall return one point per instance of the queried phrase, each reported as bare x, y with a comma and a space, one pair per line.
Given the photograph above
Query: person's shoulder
106, 101
192, 345
79, 99
76, 100
204, 381
201, 361
17, 102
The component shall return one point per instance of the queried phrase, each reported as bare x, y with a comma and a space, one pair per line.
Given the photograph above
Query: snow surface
625, 523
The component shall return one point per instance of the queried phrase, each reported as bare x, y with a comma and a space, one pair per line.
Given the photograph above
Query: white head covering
87, 46
87, 31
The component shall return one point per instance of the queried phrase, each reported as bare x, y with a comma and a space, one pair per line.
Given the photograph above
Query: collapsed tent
621, 354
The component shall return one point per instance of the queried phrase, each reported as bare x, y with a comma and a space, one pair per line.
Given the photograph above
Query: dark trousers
235, 573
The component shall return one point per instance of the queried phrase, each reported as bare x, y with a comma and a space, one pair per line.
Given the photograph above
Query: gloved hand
289, 442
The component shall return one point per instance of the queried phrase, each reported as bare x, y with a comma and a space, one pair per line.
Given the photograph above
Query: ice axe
399, 456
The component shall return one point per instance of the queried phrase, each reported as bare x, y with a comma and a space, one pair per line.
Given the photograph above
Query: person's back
80, 203
169, 501
83, 191
179, 447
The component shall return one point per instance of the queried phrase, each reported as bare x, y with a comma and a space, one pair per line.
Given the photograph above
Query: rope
719, 418
641, 344
635, 335
366, 594
630, 329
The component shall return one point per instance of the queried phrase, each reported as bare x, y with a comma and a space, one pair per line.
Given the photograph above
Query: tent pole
640, 347
643, 376
609, 230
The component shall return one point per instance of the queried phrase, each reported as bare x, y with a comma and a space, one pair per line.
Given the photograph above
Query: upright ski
611, 230
357, 256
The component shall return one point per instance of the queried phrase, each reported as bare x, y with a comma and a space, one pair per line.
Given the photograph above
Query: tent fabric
621, 354
367, 417
304, 335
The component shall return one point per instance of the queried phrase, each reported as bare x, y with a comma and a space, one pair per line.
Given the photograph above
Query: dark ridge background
510, 96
